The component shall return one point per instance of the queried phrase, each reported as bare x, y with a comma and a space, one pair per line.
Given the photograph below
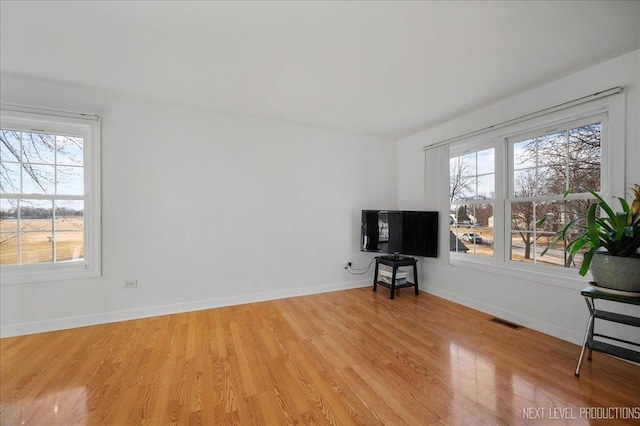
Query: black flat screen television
412, 233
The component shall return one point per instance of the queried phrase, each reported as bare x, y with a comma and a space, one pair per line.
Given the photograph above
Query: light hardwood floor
348, 357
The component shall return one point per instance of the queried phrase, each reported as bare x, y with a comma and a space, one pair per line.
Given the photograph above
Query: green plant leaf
620, 223
581, 240
586, 261
576, 245
605, 224
624, 204
592, 228
541, 221
602, 203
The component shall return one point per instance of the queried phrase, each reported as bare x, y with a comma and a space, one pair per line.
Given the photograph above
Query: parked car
472, 238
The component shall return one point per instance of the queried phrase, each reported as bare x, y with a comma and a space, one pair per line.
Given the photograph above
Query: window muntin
471, 197
49, 197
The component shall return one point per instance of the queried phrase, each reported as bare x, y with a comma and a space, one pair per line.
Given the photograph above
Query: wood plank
348, 357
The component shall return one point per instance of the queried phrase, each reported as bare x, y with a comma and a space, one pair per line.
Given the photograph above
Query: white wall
207, 209
553, 309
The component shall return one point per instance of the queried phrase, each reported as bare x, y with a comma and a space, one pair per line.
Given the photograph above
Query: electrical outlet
130, 283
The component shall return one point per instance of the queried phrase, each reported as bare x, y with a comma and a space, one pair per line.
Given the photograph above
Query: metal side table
590, 295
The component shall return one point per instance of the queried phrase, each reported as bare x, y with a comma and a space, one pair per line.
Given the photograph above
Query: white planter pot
615, 272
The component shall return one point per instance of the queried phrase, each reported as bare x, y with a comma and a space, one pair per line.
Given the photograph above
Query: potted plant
612, 239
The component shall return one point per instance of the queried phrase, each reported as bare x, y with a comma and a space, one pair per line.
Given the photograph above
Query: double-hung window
513, 187
49, 196
543, 167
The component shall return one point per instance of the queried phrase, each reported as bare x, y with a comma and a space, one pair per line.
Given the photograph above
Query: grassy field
37, 240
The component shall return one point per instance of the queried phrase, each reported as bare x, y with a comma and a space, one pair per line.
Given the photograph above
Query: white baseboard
152, 311
532, 323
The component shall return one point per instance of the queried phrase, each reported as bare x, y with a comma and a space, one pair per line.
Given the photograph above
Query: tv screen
404, 232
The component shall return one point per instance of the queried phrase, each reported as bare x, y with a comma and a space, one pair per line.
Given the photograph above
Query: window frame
69, 124
612, 182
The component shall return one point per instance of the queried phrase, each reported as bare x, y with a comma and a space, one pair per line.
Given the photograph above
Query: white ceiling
386, 69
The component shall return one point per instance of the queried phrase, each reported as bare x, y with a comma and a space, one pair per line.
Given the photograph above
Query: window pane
521, 243
525, 183
69, 150
38, 148
468, 164
69, 235
486, 161
9, 146
522, 238
528, 241
471, 229
38, 179
481, 235
457, 215
486, 186
10, 178
70, 180
552, 148
461, 181
462, 215
36, 226
36, 247
8, 248
585, 156
469, 193
484, 218
8, 232
547, 182
8, 216
69, 209
69, 246
36, 215
524, 154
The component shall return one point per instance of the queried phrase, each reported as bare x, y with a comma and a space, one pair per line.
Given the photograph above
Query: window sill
563, 278
37, 273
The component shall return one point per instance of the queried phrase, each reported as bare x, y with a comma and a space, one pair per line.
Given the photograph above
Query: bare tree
523, 213
460, 178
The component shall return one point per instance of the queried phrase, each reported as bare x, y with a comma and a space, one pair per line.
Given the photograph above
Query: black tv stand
395, 262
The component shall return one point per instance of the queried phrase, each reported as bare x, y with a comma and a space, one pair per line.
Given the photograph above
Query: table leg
415, 277
591, 304
393, 282
587, 336
375, 277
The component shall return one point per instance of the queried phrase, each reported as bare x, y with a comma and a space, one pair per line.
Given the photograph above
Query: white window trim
72, 124
613, 183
